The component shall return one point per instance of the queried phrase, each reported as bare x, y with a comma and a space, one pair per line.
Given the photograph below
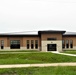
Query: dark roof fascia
18, 35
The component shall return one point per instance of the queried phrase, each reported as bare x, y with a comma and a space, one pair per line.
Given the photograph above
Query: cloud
24, 15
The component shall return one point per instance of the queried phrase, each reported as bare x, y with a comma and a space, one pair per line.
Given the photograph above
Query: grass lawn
40, 71
31, 58
70, 51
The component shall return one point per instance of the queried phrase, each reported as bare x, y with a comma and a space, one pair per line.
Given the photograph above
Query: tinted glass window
51, 39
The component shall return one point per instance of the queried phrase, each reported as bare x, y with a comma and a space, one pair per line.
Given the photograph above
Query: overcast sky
33, 15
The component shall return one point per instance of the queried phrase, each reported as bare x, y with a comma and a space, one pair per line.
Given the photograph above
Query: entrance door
51, 47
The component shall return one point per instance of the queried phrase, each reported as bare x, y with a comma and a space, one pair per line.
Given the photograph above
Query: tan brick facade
73, 38
52, 35
45, 42
70, 38
42, 39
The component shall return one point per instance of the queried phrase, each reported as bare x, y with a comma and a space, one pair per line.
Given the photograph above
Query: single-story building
47, 40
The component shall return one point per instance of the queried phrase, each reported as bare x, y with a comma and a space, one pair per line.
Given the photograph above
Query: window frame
28, 44
71, 43
32, 44
67, 43
63, 43
36, 44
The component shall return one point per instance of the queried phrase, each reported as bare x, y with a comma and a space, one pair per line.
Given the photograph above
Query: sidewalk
37, 65
17, 52
65, 54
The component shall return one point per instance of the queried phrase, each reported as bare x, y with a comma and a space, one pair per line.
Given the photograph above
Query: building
48, 40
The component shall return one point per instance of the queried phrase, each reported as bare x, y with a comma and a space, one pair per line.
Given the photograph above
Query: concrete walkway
39, 52
37, 65
17, 52
65, 54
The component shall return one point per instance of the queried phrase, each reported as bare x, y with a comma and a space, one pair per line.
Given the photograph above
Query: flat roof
37, 33
69, 34
20, 34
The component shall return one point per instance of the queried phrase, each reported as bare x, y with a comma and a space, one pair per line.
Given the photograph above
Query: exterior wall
70, 38
74, 48
6, 48
25, 48
14, 38
51, 35
31, 38
22, 42
42, 41
58, 42
5, 39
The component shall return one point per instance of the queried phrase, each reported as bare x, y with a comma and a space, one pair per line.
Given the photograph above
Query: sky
34, 15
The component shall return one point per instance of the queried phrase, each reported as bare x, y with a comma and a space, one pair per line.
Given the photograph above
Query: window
27, 44
51, 39
67, 43
15, 44
2, 44
32, 44
71, 43
36, 44
63, 43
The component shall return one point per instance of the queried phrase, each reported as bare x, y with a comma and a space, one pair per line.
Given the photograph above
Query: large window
28, 46
36, 44
2, 44
67, 43
71, 43
15, 44
63, 43
51, 39
32, 44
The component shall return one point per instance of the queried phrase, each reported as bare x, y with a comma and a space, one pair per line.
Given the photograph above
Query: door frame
52, 47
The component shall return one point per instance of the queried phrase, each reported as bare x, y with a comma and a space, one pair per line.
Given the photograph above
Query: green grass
70, 51
40, 71
31, 58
